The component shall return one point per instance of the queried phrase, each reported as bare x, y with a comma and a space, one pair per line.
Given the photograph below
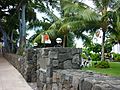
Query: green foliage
95, 57
108, 47
97, 48
116, 57
70, 40
103, 64
114, 69
84, 56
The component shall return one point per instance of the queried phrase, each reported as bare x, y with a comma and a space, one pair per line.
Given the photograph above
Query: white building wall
116, 48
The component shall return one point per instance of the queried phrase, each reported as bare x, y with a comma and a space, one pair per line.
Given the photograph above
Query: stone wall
31, 58
59, 69
50, 59
18, 62
71, 79
59, 58
26, 65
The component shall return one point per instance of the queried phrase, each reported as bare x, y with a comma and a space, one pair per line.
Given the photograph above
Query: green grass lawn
114, 69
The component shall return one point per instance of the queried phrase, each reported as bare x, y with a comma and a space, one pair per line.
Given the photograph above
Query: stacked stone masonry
59, 69
50, 59
71, 79
26, 65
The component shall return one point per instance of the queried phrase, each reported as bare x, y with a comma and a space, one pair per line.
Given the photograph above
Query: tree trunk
6, 46
20, 28
64, 40
12, 43
23, 28
104, 29
103, 50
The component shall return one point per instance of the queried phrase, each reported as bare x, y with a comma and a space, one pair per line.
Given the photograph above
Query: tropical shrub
103, 64
84, 56
95, 57
116, 57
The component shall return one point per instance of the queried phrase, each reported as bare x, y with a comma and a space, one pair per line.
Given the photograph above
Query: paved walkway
10, 78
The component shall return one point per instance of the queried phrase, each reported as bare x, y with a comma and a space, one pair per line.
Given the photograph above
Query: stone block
67, 64
60, 86
54, 86
76, 51
41, 86
45, 52
49, 72
76, 59
96, 87
62, 57
61, 66
48, 86
54, 78
86, 85
62, 50
53, 55
75, 82
42, 77
75, 66
55, 63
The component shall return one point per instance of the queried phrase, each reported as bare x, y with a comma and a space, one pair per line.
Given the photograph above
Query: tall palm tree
74, 19
78, 17
102, 6
99, 15
54, 20
115, 23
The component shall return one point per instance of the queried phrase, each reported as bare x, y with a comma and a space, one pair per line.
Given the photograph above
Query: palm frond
64, 29
56, 25
39, 24
90, 15
86, 40
52, 33
72, 19
38, 36
98, 4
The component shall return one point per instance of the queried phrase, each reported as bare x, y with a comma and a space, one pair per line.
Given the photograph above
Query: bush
95, 57
103, 64
116, 57
84, 56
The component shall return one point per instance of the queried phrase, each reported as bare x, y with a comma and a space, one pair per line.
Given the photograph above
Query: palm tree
74, 20
99, 15
115, 24
104, 7
77, 18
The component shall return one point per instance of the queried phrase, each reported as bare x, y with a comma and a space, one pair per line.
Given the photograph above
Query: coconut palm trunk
64, 40
103, 50
104, 26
